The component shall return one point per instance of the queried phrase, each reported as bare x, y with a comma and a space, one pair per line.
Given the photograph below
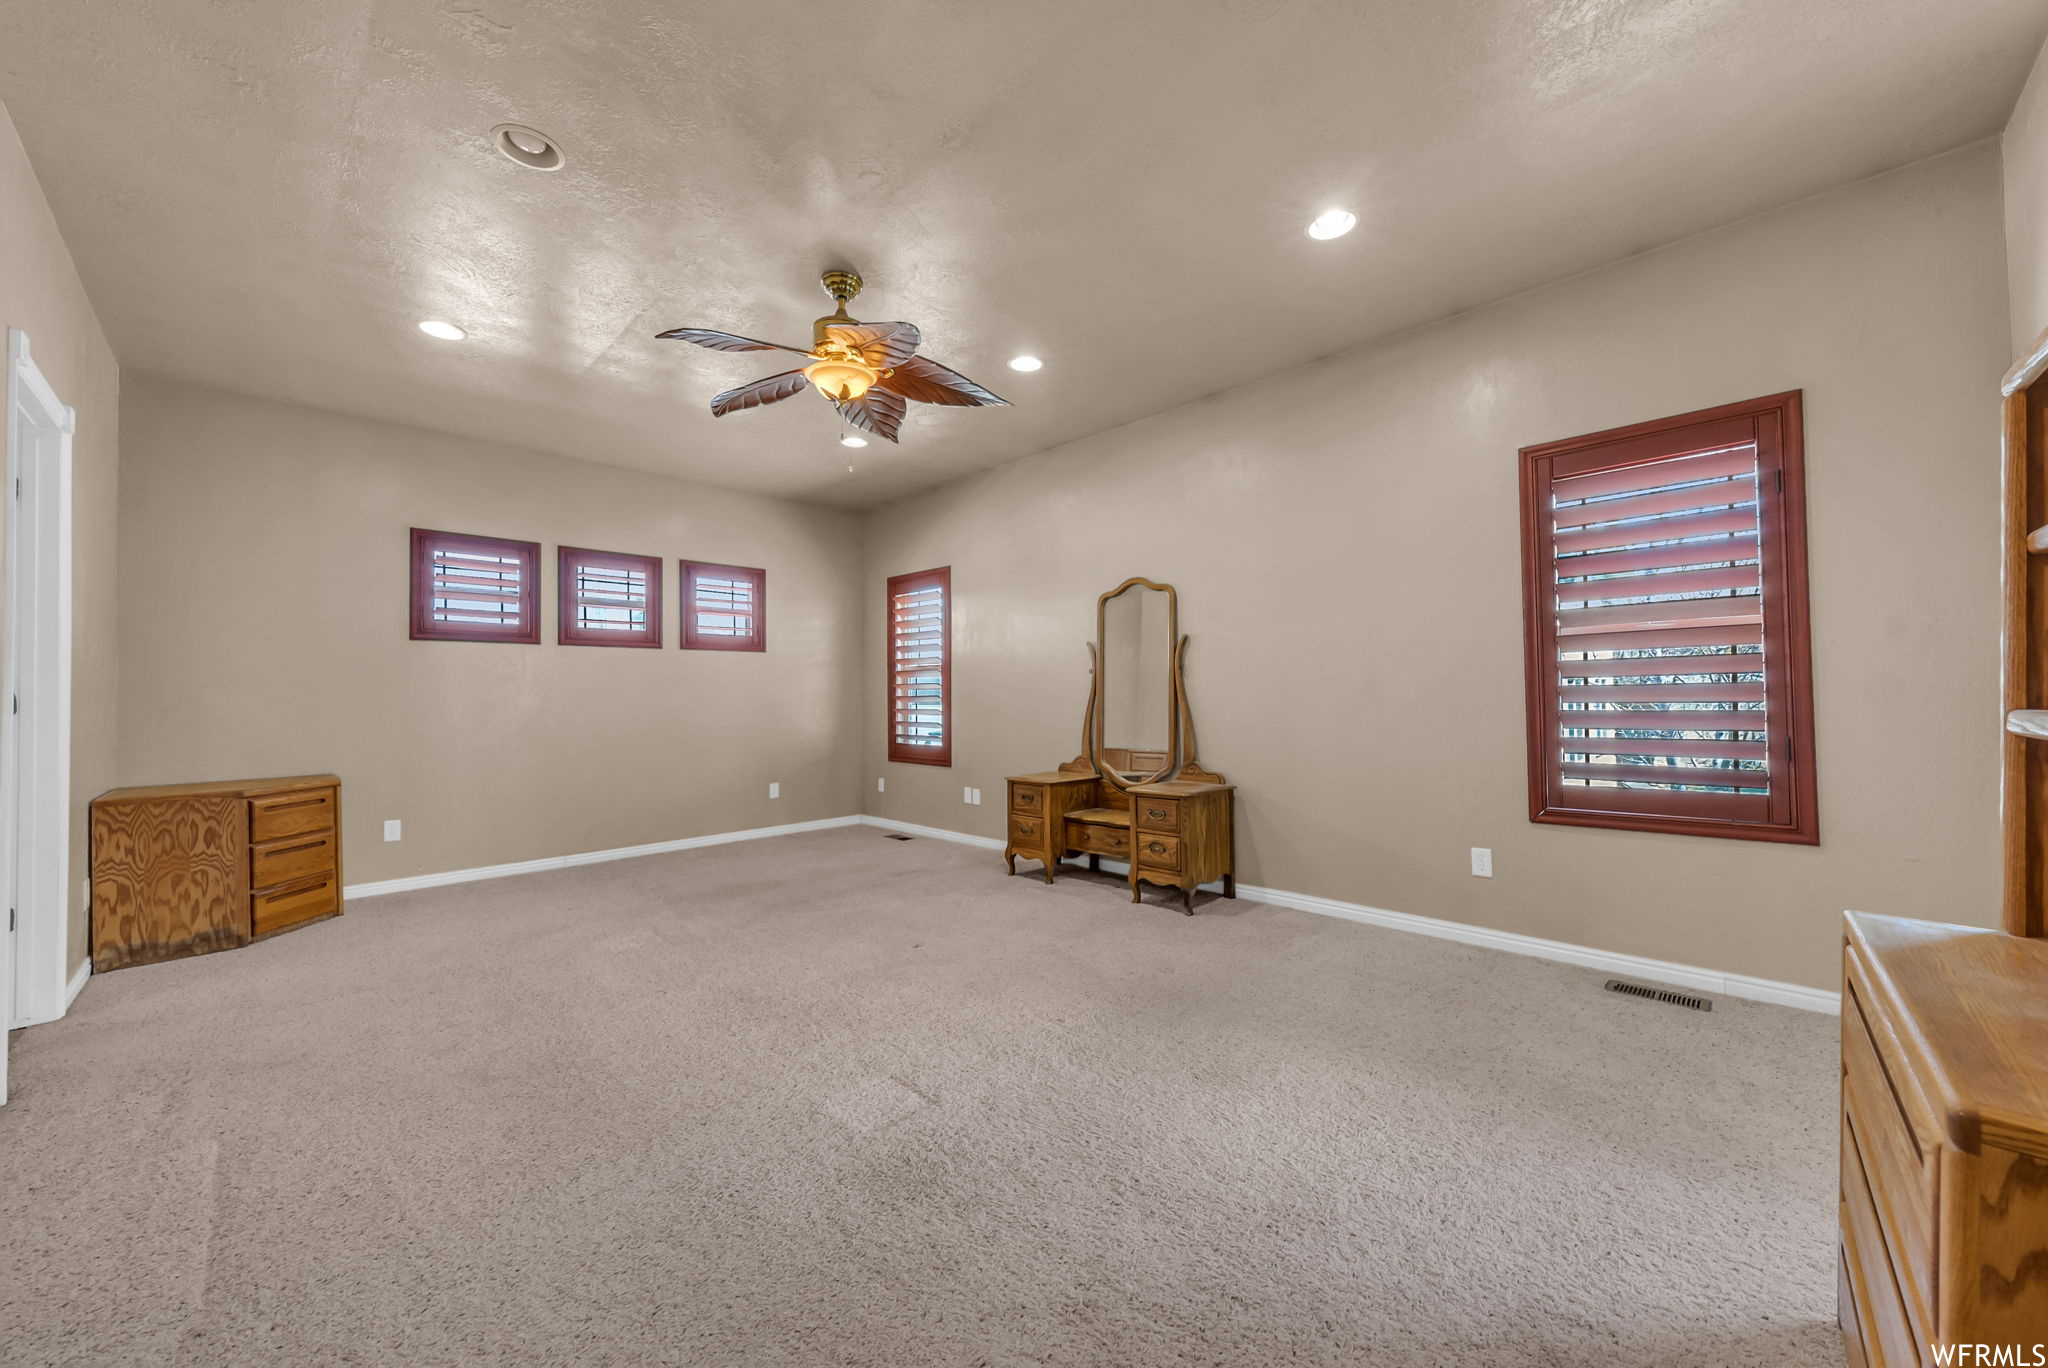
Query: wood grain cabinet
1944, 1192
184, 869
1177, 832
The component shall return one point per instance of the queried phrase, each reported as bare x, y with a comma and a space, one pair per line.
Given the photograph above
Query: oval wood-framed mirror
1134, 732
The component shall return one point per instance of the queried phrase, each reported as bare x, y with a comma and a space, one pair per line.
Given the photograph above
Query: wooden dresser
1944, 1193
1176, 832
183, 869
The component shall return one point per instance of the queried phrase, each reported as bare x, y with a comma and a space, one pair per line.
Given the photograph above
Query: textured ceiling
268, 194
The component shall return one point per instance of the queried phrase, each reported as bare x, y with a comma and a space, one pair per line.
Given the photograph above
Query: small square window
468, 588
724, 607
608, 599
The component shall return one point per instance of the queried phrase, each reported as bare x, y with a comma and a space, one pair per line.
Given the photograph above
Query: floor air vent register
1643, 990
899, 836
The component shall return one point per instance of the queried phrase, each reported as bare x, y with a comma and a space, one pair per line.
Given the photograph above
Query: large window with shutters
725, 607
468, 588
920, 682
607, 599
1666, 628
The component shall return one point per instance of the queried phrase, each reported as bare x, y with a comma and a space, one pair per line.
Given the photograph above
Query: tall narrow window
1664, 596
725, 607
606, 599
920, 649
474, 588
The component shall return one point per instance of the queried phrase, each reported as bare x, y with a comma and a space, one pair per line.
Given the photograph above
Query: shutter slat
1707, 465
1679, 747
1663, 719
1643, 638
1659, 530
1738, 692
1691, 775
1744, 609
1733, 546
1719, 580
1719, 494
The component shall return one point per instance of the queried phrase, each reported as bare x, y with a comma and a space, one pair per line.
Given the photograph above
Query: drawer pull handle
1027, 799
295, 803
1156, 848
1156, 814
290, 850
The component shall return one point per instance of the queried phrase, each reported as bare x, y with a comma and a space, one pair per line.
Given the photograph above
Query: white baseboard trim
455, 876
1634, 966
936, 833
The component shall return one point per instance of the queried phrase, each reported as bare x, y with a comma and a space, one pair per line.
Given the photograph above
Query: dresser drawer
278, 815
1156, 851
292, 860
1027, 798
1886, 1336
1027, 833
282, 907
1099, 840
1157, 814
1902, 1181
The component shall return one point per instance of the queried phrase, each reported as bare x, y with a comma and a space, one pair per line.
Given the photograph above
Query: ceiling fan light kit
868, 371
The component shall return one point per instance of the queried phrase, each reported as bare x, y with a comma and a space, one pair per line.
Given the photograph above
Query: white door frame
35, 694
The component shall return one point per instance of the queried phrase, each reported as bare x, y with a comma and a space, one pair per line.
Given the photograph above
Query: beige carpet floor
834, 1099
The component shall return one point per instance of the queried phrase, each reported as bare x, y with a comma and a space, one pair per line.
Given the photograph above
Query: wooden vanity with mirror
1143, 800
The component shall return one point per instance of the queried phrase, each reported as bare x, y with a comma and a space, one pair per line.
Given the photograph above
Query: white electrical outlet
977, 797
881, 785
391, 830
775, 790
1482, 862
967, 795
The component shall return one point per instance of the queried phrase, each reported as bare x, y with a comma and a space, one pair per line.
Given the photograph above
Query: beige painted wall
1345, 540
40, 294
2025, 149
263, 612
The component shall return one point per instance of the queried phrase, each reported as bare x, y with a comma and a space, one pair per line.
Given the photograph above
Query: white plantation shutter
608, 599
1667, 638
724, 607
467, 588
920, 681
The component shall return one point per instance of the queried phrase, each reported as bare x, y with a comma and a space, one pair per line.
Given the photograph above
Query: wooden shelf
2028, 722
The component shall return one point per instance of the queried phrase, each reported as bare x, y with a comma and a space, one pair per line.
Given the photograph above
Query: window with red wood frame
725, 607
607, 599
468, 588
1665, 624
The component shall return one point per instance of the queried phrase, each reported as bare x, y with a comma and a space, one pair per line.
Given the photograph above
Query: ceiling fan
867, 370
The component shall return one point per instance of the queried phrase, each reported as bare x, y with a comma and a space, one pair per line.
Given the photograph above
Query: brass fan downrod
842, 286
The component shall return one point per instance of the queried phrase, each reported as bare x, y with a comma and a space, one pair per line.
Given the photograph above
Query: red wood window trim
716, 600
912, 668
1712, 507
605, 598
506, 573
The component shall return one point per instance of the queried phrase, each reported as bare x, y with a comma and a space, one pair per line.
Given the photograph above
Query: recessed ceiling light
853, 440
527, 146
1332, 223
1025, 363
447, 332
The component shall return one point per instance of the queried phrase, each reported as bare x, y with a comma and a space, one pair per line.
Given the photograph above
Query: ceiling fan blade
928, 382
877, 411
761, 392
881, 345
724, 341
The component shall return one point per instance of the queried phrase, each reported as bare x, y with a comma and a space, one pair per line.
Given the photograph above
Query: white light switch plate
391, 830
775, 790
1482, 862
881, 785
